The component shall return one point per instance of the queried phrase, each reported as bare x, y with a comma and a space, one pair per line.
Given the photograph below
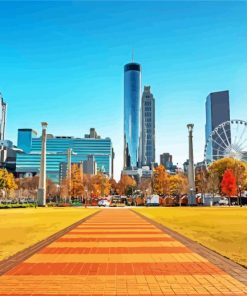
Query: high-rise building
92, 134
28, 161
147, 128
90, 165
132, 98
217, 112
3, 110
166, 160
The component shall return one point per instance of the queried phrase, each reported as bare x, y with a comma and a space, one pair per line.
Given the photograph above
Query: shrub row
17, 205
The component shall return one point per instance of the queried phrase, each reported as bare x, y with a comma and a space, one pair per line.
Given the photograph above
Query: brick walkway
117, 252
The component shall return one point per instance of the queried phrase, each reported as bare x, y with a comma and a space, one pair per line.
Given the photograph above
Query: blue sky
62, 62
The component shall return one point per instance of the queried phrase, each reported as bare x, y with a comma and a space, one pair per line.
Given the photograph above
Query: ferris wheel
229, 139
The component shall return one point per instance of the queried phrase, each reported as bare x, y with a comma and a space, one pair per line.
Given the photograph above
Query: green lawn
21, 228
221, 229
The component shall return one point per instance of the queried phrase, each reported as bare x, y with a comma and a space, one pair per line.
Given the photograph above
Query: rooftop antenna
132, 55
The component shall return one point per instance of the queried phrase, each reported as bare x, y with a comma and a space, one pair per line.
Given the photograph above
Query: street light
191, 195
85, 203
240, 195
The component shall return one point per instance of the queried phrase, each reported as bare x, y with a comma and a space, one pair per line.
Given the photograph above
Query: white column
41, 195
191, 174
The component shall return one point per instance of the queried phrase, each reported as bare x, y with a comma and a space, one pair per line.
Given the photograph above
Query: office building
8, 156
166, 160
90, 166
217, 112
28, 162
132, 98
92, 134
147, 128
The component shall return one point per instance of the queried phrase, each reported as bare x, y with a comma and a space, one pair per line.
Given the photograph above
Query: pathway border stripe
232, 268
12, 261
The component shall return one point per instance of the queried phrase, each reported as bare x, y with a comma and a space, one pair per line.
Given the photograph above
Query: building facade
166, 160
217, 111
132, 98
147, 128
28, 161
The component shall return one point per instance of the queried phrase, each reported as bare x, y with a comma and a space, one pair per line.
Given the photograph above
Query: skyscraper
147, 127
3, 108
132, 98
217, 112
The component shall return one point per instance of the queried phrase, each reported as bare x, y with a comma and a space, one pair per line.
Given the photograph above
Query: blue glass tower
132, 99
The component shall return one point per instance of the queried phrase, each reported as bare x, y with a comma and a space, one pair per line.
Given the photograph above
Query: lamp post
240, 195
41, 194
85, 203
191, 174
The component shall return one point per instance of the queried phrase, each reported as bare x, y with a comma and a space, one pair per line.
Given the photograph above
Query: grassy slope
21, 228
221, 229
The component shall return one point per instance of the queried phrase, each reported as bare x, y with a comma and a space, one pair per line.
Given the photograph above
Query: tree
101, 185
218, 168
146, 186
160, 181
113, 185
178, 184
76, 183
7, 182
201, 180
28, 187
228, 184
126, 185
213, 182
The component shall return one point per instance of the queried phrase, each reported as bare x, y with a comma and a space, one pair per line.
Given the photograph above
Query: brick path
117, 252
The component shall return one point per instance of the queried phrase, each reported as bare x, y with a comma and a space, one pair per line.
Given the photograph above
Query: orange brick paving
117, 252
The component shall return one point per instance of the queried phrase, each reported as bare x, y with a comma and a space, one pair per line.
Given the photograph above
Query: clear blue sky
62, 62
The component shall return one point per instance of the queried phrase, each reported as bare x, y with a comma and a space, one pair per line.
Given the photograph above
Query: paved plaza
117, 252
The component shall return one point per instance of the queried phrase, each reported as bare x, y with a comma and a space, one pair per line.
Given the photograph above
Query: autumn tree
201, 180
213, 182
145, 186
76, 182
101, 185
28, 187
160, 181
113, 185
228, 184
178, 184
7, 182
238, 167
126, 185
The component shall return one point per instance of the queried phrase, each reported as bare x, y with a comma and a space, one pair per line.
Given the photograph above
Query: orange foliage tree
160, 181
76, 186
228, 184
100, 185
125, 183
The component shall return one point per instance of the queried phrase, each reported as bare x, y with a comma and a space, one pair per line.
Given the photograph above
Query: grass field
221, 229
21, 228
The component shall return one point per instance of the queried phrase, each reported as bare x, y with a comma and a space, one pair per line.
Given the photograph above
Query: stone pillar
41, 194
191, 174
69, 152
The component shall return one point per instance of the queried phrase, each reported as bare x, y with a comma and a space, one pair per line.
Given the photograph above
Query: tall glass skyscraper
217, 111
132, 99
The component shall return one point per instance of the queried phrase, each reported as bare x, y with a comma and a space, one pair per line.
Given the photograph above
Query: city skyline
72, 78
